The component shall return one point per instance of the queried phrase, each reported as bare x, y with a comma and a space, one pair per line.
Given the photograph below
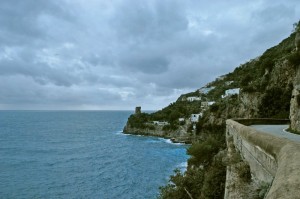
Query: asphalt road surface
277, 130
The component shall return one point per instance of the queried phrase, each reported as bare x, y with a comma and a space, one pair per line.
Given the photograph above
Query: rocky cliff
265, 83
280, 80
269, 87
295, 104
178, 135
295, 101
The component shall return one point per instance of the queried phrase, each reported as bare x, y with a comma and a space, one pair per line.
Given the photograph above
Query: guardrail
271, 159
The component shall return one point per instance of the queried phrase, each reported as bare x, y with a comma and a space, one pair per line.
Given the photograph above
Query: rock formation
297, 41
295, 101
295, 104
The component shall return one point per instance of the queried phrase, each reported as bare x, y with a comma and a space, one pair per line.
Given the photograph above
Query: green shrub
267, 63
246, 80
203, 152
214, 108
244, 172
169, 127
298, 99
296, 26
196, 182
294, 59
151, 127
214, 181
275, 103
138, 120
263, 189
181, 185
249, 89
190, 128
293, 131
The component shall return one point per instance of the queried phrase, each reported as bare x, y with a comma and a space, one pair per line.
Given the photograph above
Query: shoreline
176, 140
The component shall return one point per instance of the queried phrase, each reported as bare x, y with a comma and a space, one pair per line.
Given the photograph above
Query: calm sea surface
81, 154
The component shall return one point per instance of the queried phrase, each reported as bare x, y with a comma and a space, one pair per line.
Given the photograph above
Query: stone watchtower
138, 110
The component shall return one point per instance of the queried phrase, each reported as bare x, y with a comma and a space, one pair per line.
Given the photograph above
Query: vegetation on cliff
265, 87
206, 173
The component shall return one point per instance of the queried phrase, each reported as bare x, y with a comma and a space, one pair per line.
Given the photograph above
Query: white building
195, 117
160, 123
205, 90
181, 119
191, 99
234, 91
211, 103
207, 104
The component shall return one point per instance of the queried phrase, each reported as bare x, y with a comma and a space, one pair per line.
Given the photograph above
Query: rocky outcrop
281, 76
295, 101
295, 104
297, 41
249, 103
157, 131
179, 135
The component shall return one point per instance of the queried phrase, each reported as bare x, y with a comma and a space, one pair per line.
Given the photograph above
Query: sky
118, 54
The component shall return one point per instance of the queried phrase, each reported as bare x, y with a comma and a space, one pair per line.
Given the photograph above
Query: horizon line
71, 110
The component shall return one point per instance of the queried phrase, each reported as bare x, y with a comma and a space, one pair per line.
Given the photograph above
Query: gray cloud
19, 20
145, 63
146, 21
118, 54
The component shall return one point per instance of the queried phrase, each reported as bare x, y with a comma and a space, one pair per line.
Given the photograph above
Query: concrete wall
273, 160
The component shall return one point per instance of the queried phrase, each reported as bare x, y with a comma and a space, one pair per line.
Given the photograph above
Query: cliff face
157, 131
269, 87
249, 103
295, 100
285, 77
265, 83
295, 104
281, 76
179, 135
297, 41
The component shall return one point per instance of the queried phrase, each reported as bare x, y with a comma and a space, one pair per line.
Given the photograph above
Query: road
277, 130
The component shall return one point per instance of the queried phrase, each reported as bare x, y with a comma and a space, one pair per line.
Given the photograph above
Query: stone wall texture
273, 160
295, 104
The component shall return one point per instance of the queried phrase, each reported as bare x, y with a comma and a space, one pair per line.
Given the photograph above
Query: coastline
179, 135
182, 139
171, 139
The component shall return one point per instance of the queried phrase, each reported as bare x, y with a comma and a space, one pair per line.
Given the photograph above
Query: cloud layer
75, 54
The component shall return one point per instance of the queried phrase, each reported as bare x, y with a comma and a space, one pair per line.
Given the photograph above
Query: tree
296, 27
202, 152
297, 37
246, 80
275, 103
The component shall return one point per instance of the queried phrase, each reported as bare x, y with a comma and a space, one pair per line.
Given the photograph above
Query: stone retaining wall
273, 160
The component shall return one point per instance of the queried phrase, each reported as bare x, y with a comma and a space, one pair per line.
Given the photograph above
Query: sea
81, 154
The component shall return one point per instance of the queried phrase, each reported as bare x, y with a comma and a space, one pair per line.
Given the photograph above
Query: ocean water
81, 154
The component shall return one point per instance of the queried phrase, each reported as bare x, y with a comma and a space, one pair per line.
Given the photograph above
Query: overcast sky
117, 54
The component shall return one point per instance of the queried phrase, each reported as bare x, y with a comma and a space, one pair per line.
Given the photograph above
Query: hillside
260, 88
265, 86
